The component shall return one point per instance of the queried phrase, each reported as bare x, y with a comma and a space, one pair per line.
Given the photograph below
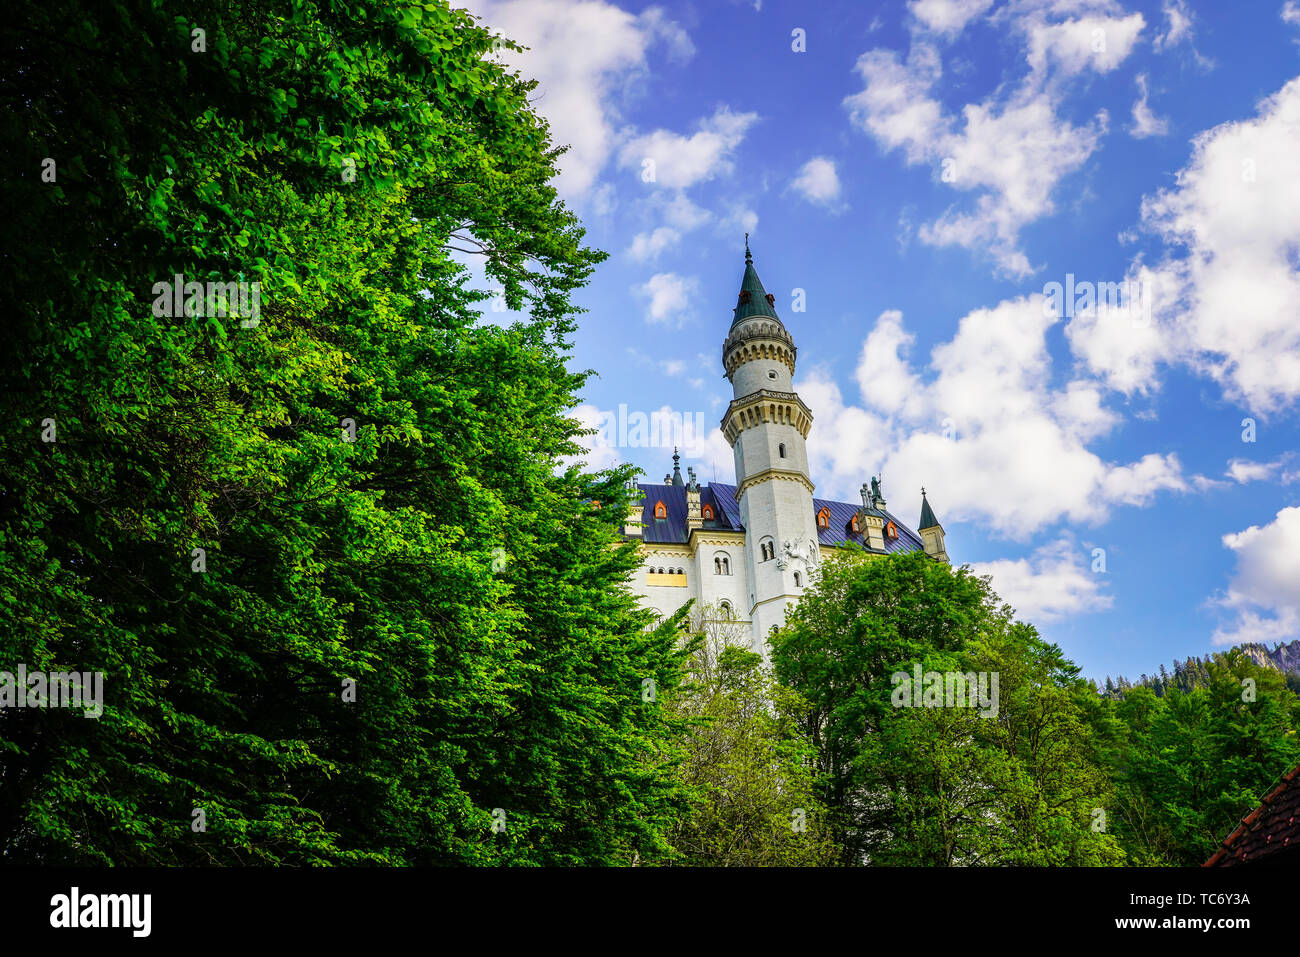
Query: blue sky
917, 174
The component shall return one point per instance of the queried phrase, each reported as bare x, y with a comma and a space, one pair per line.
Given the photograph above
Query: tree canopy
349, 604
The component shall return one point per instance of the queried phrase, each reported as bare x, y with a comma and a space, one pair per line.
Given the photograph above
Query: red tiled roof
1270, 829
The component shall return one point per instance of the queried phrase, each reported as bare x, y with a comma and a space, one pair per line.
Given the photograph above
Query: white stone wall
757, 374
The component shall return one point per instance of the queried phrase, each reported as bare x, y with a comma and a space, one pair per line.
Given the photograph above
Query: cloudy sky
939, 194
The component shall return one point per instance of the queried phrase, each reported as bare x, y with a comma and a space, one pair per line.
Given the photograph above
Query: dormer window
707, 512
744, 297
771, 299
854, 524
824, 518
891, 530
661, 510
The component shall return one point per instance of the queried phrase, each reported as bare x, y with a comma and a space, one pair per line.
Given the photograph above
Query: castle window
767, 550
824, 518
781, 448
724, 610
891, 530
707, 512
771, 374
661, 510
721, 565
797, 583
661, 571
854, 524
744, 297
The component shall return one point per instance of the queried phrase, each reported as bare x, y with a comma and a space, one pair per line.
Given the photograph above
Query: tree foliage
748, 768
1189, 765
373, 473
938, 784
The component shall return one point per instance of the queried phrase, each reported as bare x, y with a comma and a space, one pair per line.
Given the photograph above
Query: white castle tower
745, 553
767, 425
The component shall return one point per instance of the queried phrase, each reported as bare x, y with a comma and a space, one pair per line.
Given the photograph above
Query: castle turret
931, 531
767, 425
694, 516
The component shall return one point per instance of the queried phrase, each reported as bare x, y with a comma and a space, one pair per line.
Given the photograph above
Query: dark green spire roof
927, 514
757, 304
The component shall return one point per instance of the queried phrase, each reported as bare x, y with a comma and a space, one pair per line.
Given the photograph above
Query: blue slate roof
672, 530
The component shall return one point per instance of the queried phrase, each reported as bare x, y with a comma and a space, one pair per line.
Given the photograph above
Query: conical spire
677, 469
753, 299
927, 514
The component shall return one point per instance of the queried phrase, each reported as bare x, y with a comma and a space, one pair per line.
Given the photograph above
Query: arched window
681, 571
854, 524
796, 580
824, 518
781, 449
661, 571
724, 610
726, 565
717, 566
707, 512
767, 549
661, 510
891, 530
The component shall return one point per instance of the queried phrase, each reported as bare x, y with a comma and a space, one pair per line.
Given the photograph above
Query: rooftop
1270, 833
673, 531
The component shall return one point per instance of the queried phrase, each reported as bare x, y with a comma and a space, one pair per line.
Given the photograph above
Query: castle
745, 552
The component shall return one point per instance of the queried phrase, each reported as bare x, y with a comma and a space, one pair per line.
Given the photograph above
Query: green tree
402, 638
746, 764
1189, 765
1011, 782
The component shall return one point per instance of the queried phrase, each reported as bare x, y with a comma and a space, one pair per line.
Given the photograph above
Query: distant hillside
1285, 658
1192, 673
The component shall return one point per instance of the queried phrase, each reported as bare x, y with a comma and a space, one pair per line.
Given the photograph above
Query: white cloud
1145, 122
1053, 583
990, 414
646, 246
599, 453
818, 181
664, 429
884, 376
1178, 25
1010, 150
947, 16
671, 297
1265, 589
1229, 309
584, 53
677, 161
1124, 346
1069, 47
1244, 470
1291, 12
